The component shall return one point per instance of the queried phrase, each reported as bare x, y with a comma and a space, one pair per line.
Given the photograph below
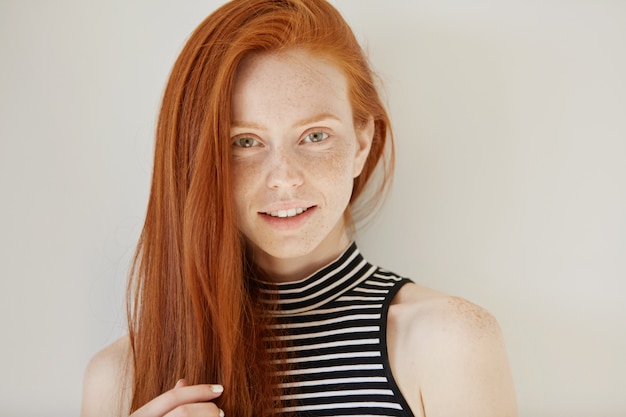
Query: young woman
248, 296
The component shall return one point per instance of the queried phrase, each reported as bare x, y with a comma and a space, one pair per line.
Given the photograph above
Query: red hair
193, 313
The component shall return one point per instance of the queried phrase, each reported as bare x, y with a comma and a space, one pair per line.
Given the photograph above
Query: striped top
335, 327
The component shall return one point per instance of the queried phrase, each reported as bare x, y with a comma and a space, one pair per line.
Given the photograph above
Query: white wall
510, 189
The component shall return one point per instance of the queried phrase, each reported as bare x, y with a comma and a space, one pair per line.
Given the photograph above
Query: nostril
285, 173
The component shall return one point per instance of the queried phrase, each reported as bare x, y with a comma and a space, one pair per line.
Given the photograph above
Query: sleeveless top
334, 324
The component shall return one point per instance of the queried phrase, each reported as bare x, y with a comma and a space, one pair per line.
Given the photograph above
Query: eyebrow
308, 120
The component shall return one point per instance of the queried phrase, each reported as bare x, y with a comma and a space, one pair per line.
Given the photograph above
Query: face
295, 153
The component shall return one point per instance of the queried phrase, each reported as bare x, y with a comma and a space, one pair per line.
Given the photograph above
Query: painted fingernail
217, 388
221, 413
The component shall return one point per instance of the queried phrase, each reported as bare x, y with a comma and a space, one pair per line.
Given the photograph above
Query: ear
364, 137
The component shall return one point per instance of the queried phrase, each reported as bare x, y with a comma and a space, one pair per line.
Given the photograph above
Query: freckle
476, 317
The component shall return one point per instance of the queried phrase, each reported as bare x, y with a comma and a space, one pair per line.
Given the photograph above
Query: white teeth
287, 213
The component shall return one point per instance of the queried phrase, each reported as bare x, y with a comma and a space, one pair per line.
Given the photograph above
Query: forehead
298, 62
294, 78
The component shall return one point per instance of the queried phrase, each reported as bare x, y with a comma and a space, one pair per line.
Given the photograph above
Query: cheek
244, 177
332, 171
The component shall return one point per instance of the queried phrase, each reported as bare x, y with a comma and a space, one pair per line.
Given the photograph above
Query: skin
295, 146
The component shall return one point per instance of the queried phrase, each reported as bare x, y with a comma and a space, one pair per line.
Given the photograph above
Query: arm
107, 390
450, 357
106, 384
469, 373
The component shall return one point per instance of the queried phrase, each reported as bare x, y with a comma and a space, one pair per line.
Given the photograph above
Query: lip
288, 223
286, 205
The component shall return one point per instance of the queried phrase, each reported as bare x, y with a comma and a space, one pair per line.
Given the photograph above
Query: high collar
321, 287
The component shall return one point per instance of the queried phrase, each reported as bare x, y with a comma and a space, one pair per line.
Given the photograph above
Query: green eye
315, 137
246, 142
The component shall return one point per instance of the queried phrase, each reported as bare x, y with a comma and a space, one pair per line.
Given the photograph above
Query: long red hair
193, 312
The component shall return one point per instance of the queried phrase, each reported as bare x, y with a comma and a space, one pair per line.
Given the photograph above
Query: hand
184, 400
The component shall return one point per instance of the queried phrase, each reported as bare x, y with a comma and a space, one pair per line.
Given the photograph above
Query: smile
292, 212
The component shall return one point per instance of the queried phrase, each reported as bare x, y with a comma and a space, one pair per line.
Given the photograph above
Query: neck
297, 268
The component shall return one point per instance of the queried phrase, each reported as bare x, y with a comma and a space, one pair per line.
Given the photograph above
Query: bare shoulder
423, 310
106, 388
448, 355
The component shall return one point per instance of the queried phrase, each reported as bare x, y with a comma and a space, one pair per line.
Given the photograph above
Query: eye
246, 142
314, 137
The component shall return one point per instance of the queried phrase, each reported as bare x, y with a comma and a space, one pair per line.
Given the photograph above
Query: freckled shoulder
106, 384
420, 309
448, 356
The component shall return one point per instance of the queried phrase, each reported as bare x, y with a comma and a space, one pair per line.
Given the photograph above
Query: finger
196, 409
180, 383
176, 397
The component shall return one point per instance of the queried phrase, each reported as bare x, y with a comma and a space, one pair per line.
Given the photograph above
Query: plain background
510, 124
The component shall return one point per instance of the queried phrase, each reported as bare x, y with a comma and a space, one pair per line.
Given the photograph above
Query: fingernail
179, 383
221, 413
217, 388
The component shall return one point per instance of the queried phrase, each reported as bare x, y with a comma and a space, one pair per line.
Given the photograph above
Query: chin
285, 250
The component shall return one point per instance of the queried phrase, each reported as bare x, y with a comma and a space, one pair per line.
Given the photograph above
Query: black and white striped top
335, 324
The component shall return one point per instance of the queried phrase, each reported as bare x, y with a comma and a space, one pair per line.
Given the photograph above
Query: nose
284, 171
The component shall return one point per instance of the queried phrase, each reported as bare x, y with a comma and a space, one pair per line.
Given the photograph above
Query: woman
248, 297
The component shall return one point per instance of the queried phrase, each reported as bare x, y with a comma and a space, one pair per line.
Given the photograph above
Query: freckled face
295, 153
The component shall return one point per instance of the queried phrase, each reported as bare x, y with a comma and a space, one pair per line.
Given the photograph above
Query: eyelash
310, 135
249, 142
238, 142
